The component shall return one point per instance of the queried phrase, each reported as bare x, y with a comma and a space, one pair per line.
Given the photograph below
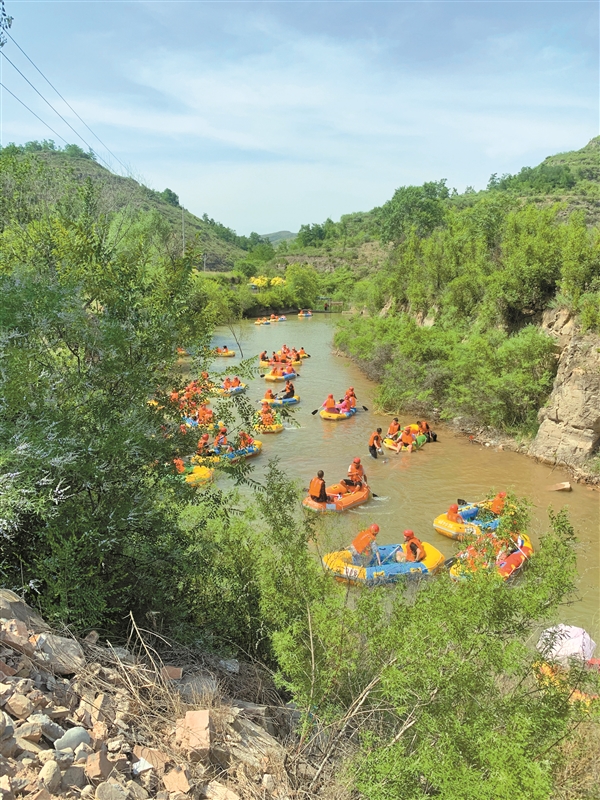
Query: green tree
303, 284
421, 207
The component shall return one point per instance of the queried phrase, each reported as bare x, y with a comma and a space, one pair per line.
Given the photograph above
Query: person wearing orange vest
245, 440
269, 395
356, 474
426, 430
497, 504
203, 446
302, 352
263, 356
289, 390
266, 415
394, 428
407, 438
329, 404
227, 383
453, 515
364, 547
221, 442
375, 443
414, 548
316, 489
236, 382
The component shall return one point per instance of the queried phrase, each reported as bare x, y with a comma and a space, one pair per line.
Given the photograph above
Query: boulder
192, 734
50, 776
177, 780
110, 790
65, 656
19, 706
12, 607
98, 766
198, 687
72, 739
74, 776
14, 633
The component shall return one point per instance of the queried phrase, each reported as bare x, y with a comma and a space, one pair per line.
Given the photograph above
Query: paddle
450, 561
393, 553
316, 411
460, 502
365, 408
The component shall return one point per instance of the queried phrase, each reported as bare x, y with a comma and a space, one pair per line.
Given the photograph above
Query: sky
269, 115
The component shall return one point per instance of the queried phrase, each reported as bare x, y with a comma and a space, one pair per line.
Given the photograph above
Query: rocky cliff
569, 432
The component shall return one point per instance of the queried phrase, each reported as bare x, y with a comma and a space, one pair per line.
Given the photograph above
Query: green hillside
203, 235
279, 236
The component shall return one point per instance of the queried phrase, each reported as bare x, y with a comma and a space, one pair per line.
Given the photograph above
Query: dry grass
577, 776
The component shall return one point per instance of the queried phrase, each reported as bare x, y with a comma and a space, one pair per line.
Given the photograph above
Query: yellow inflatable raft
199, 476
226, 354
277, 428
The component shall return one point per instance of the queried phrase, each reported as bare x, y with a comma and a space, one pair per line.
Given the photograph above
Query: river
413, 488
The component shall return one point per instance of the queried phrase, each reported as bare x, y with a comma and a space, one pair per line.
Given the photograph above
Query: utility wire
67, 103
33, 112
2, 53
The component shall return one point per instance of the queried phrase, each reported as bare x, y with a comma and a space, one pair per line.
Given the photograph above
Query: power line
67, 103
33, 112
2, 53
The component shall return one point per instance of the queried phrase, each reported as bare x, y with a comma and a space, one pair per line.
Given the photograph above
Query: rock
230, 665
65, 656
98, 766
114, 745
50, 730
92, 637
74, 776
141, 766
192, 734
216, 791
262, 715
82, 751
14, 632
72, 738
111, 791
170, 673
33, 748
569, 432
41, 794
19, 706
6, 789
6, 671
123, 654
99, 732
177, 780
136, 791
47, 755
5, 692
6, 726
9, 748
162, 796
12, 607
196, 688
57, 712
50, 776
32, 731
268, 783
87, 792
177, 796
103, 709
154, 757
560, 487
64, 758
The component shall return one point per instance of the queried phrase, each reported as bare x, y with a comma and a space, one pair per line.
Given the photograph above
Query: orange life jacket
453, 516
406, 438
356, 472
267, 418
410, 556
375, 440
394, 428
179, 465
315, 487
236, 382
497, 505
269, 395
330, 402
424, 426
363, 541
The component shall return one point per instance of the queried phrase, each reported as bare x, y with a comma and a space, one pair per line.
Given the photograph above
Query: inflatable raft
472, 525
343, 499
282, 319
474, 557
276, 428
233, 390
336, 415
266, 364
417, 444
282, 401
389, 571
286, 376
226, 354
235, 455
198, 475
305, 314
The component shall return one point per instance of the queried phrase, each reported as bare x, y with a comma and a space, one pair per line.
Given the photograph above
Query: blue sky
267, 115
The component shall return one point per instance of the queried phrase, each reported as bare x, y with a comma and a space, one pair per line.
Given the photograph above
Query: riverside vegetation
412, 693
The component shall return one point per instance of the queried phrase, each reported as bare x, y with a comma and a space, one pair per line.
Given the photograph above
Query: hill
221, 245
279, 236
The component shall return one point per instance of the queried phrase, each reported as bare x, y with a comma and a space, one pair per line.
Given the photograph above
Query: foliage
414, 207
169, 196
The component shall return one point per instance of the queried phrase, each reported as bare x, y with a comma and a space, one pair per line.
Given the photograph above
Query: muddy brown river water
413, 488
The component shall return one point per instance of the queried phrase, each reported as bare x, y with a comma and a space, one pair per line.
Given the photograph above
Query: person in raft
375, 443
330, 404
263, 356
356, 475
269, 395
497, 504
364, 547
453, 515
289, 390
302, 353
222, 349
221, 443
393, 429
414, 548
245, 440
266, 416
350, 397
426, 430
316, 490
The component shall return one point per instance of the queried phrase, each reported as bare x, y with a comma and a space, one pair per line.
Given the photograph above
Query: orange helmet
223, 430
205, 437
502, 494
453, 508
408, 534
357, 460
374, 528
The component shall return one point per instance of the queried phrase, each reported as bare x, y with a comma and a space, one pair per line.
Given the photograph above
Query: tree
169, 196
302, 282
419, 207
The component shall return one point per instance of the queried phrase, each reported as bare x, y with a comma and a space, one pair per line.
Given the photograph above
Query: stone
57, 712
41, 794
5, 692
177, 796
253, 747
6, 790
103, 709
560, 487
162, 796
9, 748
6, 726
19, 706
230, 665
99, 732
114, 745
74, 776
92, 637
123, 654
120, 762
110, 790
263, 715
12, 607
136, 791
82, 751
33, 748
87, 792
72, 738
216, 791
197, 688
64, 758
50, 776
47, 755
177, 780
268, 783
192, 734
38, 698
154, 757
14, 633
98, 766
65, 656
5, 670
31, 731
170, 673
50, 729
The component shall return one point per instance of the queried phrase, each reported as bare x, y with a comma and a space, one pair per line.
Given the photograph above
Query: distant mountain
279, 236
